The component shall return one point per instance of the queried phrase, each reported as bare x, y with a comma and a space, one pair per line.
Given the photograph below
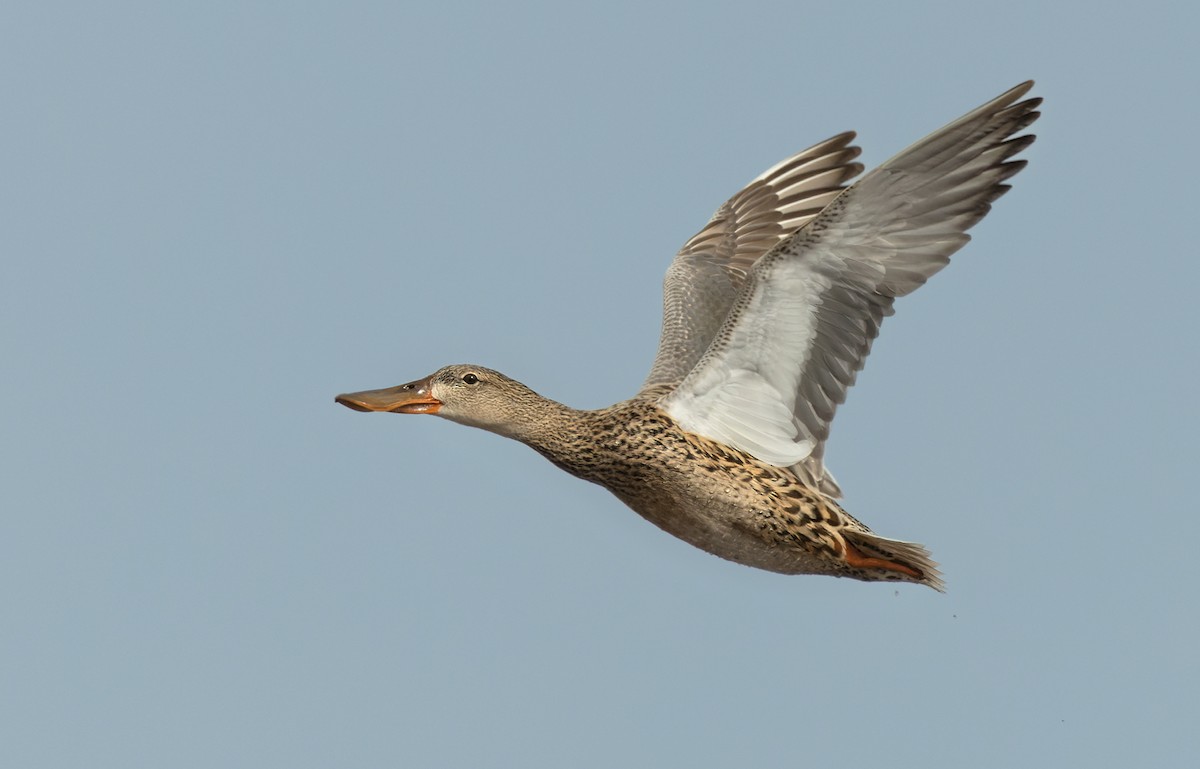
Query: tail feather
908, 554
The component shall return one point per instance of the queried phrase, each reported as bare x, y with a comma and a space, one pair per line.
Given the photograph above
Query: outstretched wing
707, 273
801, 326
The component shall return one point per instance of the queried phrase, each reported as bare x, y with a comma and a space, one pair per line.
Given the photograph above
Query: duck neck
572, 439
553, 429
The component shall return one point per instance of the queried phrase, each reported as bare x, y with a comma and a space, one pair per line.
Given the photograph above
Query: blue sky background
217, 216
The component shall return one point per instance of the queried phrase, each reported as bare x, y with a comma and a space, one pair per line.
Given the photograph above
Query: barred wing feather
802, 323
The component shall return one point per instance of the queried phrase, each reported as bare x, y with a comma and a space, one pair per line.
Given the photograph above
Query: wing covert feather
707, 273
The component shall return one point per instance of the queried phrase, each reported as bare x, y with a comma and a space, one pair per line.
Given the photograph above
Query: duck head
464, 393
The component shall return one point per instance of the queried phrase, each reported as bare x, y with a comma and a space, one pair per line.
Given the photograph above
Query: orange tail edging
859, 560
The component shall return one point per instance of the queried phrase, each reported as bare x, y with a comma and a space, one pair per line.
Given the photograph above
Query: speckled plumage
716, 498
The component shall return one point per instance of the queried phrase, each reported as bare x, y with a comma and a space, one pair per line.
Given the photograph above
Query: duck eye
470, 378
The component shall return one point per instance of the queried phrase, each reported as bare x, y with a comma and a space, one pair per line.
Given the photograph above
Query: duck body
769, 313
718, 499
728, 503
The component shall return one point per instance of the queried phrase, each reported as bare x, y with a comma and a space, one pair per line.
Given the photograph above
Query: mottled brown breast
710, 495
